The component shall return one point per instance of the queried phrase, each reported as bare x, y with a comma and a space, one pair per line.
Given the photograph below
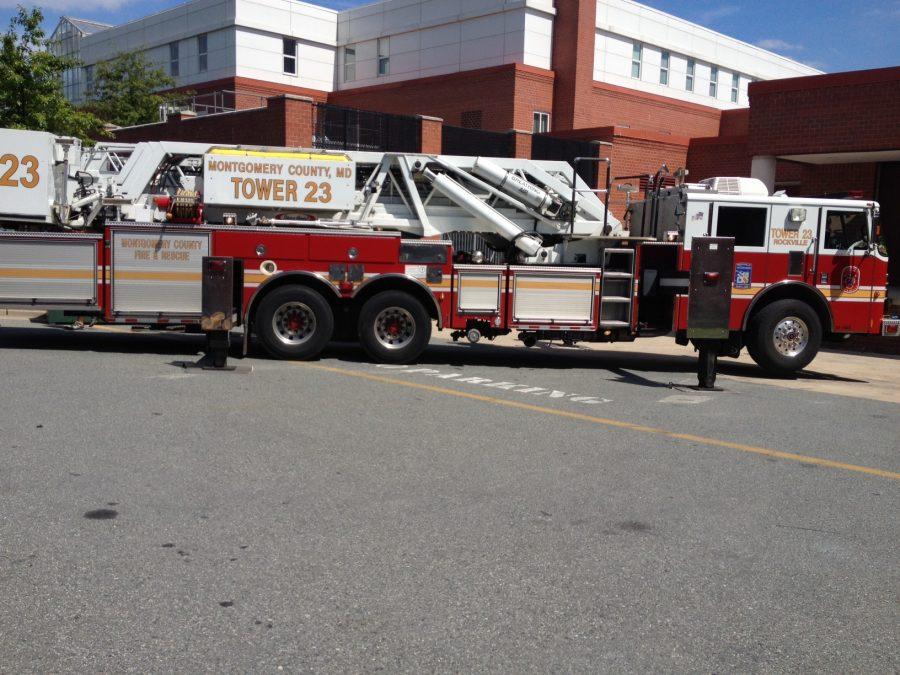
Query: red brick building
829, 134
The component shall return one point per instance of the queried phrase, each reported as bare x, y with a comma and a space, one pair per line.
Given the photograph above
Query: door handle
710, 278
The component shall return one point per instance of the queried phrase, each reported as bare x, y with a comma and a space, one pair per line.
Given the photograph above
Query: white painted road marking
685, 399
494, 384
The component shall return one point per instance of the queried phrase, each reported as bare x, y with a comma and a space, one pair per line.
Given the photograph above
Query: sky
831, 35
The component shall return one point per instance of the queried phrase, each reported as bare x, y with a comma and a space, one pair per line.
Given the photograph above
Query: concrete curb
21, 313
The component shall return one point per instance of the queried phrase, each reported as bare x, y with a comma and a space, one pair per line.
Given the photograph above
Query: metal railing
212, 102
545, 146
340, 128
479, 142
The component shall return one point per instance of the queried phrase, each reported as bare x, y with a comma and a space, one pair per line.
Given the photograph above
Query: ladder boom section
489, 217
526, 203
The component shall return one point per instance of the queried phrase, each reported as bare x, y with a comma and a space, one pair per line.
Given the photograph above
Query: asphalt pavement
486, 509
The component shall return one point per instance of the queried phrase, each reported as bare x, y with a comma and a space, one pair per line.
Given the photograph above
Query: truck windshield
845, 228
880, 240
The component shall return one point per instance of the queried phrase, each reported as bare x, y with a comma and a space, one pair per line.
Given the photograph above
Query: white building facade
644, 49
291, 45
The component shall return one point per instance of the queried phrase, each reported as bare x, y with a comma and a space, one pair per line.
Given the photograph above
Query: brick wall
633, 152
718, 156
521, 144
430, 133
248, 92
285, 121
574, 27
828, 178
841, 112
735, 122
506, 96
723, 156
533, 93
611, 105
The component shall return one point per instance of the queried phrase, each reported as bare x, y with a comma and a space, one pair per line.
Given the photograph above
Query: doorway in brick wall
887, 194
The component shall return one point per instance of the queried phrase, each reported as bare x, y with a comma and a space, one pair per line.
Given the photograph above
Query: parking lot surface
488, 508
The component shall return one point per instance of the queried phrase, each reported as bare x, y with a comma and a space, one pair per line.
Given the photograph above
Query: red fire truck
301, 246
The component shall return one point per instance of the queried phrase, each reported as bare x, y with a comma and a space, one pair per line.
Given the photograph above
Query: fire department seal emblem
850, 279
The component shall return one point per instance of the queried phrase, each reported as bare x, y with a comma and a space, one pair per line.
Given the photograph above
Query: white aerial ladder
541, 209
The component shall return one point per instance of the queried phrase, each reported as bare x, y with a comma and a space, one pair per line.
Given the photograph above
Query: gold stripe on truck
156, 276
19, 273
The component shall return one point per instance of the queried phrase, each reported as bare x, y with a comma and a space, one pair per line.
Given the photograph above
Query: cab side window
843, 228
747, 224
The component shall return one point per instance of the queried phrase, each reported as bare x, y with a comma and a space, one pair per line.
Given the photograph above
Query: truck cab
805, 269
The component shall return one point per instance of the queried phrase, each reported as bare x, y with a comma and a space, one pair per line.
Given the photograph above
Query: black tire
394, 327
784, 337
304, 339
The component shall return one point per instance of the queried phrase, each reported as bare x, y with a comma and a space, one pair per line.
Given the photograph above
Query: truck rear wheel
294, 322
784, 337
394, 327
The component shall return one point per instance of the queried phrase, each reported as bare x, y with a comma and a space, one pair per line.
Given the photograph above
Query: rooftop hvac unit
748, 187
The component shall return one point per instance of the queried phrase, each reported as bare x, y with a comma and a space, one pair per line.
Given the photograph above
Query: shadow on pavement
617, 362
623, 365
89, 339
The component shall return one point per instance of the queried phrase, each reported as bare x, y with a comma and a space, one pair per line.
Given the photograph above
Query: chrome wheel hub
791, 335
294, 323
394, 327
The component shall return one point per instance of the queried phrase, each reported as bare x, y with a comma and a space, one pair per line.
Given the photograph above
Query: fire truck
304, 246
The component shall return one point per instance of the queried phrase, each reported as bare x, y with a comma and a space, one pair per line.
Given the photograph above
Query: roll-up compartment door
48, 269
157, 271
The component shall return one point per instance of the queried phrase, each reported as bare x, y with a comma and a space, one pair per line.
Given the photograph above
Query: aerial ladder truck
303, 246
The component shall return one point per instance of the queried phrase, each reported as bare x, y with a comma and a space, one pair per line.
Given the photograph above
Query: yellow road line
715, 442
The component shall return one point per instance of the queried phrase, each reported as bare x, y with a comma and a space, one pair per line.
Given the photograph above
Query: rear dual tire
394, 327
294, 322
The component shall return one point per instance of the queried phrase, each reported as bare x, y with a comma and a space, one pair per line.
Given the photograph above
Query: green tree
31, 95
126, 90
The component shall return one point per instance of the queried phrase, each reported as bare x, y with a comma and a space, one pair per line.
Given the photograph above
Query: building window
384, 56
747, 224
735, 83
540, 123
664, 68
689, 81
637, 52
88, 80
289, 55
349, 64
173, 59
471, 119
714, 81
202, 53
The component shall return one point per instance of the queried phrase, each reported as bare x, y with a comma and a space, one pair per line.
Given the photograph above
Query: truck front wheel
294, 322
394, 327
784, 337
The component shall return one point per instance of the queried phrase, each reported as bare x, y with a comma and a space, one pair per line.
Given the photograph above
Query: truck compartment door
157, 271
563, 298
709, 295
48, 269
